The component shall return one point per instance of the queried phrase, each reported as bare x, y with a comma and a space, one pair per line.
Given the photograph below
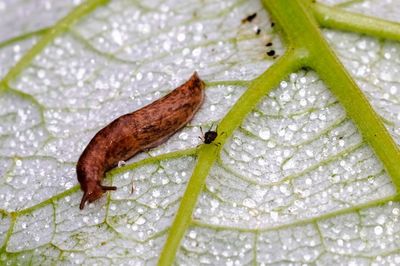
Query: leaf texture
297, 179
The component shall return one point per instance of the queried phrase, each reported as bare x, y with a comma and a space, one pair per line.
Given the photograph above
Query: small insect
210, 135
249, 18
258, 31
271, 53
135, 132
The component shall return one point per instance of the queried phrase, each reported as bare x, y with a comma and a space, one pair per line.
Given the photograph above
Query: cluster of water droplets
20, 17
331, 169
374, 65
296, 157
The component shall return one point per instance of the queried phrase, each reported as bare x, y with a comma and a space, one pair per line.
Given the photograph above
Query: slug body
135, 132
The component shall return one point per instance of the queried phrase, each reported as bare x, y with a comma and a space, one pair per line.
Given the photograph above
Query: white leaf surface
295, 184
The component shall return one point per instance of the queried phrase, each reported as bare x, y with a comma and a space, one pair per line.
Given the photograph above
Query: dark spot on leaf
249, 18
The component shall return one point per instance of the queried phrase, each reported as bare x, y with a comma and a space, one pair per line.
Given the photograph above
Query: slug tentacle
105, 188
83, 200
134, 132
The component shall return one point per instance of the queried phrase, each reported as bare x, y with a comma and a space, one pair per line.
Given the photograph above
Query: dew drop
192, 234
265, 134
284, 84
183, 136
274, 215
181, 37
156, 193
214, 204
41, 74
196, 52
140, 221
117, 37
381, 219
167, 45
378, 230
250, 203
341, 143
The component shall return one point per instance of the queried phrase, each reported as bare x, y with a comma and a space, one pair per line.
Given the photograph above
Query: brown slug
135, 132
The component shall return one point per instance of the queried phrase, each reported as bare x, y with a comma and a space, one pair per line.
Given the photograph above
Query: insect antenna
212, 127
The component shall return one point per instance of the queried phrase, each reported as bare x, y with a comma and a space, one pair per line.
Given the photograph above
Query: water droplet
117, 37
192, 234
250, 203
196, 52
183, 136
245, 158
381, 219
181, 37
41, 74
284, 189
341, 143
156, 193
140, 221
265, 134
274, 215
167, 45
378, 230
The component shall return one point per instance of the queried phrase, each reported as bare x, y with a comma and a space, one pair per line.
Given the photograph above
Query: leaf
307, 171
